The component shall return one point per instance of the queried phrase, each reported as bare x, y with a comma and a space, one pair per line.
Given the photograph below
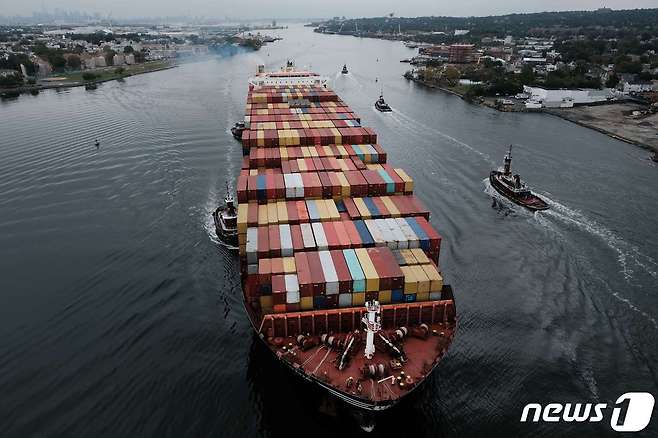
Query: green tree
527, 76
88, 76
612, 81
119, 70
73, 62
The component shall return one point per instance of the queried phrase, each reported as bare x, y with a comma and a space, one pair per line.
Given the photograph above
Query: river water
121, 315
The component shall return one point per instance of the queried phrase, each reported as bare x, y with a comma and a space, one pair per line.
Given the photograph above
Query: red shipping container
380, 264
352, 211
242, 188
342, 272
397, 277
264, 271
270, 190
263, 243
381, 207
297, 239
317, 164
331, 235
335, 184
252, 214
303, 274
326, 184
398, 182
353, 233
341, 232
317, 275
278, 289
435, 238
376, 184
291, 207
302, 213
275, 240
279, 186
277, 266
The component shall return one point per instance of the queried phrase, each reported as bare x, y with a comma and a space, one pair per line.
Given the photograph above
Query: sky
311, 8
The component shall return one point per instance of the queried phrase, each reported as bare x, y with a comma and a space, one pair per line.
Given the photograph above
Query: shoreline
71, 84
562, 114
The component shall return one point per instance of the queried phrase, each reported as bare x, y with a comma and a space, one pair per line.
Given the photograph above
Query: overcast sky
311, 8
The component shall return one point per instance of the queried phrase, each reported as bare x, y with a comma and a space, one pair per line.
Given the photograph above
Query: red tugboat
512, 188
348, 300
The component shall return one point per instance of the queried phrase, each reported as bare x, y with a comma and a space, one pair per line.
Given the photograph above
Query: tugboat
237, 129
381, 105
512, 188
344, 71
226, 221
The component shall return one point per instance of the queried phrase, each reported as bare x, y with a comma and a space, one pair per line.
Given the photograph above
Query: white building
544, 98
639, 87
118, 59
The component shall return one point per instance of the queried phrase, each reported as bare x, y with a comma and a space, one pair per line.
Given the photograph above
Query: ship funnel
261, 68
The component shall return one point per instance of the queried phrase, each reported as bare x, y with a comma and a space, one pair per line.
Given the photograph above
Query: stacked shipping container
323, 221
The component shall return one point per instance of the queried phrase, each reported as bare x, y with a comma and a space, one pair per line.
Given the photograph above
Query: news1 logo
630, 413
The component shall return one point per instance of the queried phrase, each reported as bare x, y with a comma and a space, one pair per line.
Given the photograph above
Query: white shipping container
403, 243
292, 285
320, 237
307, 235
286, 240
252, 245
345, 300
292, 297
329, 271
408, 233
375, 232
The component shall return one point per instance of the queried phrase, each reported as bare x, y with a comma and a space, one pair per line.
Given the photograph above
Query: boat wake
419, 128
550, 220
629, 256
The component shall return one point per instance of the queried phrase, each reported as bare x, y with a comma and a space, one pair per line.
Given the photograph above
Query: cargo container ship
338, 259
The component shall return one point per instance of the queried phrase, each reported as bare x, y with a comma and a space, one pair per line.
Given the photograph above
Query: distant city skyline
258, 9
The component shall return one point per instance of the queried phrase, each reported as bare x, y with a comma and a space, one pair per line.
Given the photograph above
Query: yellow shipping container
272, 217
262, 215
423, 296
302, 165
369, 271
289, 265
321, 207
306, 303
384, 296
306, 153
338, 139
358, 298
420, 256
243, 210
334, 215
242, 239
408, 257
328, 151
313, 152
342, 150
344, 185
286, 125
361, 206
390, 206
410, 281
282, 212
408, 182
436, 280
423, 281
283, 152
266, 301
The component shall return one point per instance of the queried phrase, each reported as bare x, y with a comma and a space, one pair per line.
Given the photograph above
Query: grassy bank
112, 73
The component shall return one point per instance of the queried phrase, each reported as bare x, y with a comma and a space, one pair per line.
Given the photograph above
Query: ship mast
508, 161
373, 325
